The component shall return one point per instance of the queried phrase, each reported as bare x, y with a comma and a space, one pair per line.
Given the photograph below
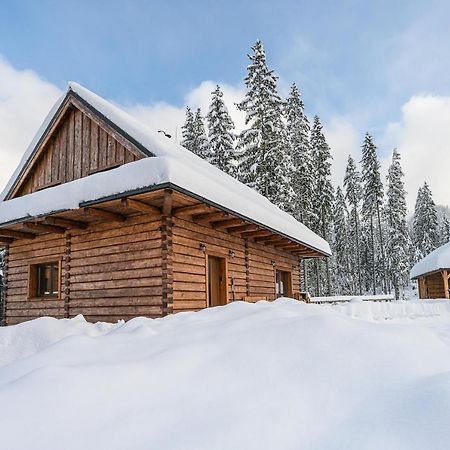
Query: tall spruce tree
220, 134
341, 244
264, 161
425, 224
445, 230
397, 231
372, 203
200, 145
353, 192
298, 129
188, 133
323, 194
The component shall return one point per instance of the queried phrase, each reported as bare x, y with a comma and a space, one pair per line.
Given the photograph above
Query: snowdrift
280, 375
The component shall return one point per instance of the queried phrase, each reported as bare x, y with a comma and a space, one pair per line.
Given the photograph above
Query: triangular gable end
78, 141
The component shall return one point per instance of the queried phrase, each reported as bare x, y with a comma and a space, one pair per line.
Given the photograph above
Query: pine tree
220, 134
263, 147
302, 178
352, 184
445, 231
398, 239
341, 246
323, 192
200, 144
425, 224
372, 204
188, 133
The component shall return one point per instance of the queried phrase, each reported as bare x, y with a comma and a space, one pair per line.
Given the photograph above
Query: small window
283, 284
44, 280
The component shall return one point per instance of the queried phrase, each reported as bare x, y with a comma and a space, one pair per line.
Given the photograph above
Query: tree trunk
357, 249
382, 251
374, 276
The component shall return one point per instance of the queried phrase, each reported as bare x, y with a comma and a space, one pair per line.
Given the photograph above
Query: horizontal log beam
224, 224
104, 214
44, 228
191, 210
209, 217
266, 237
5, 241
251, 234
140, 206
66, 223
239, 230
275, 240
16, 234
288, 245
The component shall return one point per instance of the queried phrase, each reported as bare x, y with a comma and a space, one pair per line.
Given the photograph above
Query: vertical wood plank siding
79, 147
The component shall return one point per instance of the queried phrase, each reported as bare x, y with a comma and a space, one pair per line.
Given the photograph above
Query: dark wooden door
217, 283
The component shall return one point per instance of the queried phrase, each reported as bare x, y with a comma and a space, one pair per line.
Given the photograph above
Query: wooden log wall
79, 147
263, 263
116, 271
434, 285
22, 253
147, 266
251, 271
189, 263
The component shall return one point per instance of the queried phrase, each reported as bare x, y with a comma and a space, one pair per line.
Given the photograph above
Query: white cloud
422, 135
25, 100
163, 116
344, 140
423, 140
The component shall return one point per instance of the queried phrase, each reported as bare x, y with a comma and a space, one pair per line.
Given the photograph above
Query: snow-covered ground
281, 375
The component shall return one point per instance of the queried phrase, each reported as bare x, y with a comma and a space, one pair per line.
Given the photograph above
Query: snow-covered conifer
220, 134
188, 134
445, 230
425, 224
323, 189
353, 191
397, 231
372, 201
303, 177
264, 161
341, 245
200, 145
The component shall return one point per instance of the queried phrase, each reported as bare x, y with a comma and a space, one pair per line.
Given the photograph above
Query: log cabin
433, 274
106, 218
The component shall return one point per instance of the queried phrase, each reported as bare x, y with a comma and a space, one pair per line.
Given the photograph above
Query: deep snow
280, 375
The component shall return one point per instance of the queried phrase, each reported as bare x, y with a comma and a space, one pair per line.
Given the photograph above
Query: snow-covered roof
172, 165
436, 260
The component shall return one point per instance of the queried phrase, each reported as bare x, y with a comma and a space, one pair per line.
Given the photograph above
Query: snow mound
280, 375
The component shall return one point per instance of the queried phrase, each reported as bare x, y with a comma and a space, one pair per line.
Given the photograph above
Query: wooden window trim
32, 287
290, 293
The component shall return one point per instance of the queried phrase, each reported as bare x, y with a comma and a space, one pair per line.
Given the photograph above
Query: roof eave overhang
176, 188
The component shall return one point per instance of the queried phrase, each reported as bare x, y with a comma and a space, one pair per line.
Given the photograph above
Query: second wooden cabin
105, 218
433, 274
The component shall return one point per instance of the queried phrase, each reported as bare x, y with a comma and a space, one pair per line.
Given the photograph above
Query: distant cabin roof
437, 260
169, 164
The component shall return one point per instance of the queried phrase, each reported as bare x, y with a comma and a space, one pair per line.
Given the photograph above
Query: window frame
33, 281
289, 284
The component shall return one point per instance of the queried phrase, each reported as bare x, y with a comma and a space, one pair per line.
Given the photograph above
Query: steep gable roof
171, 165
51, 125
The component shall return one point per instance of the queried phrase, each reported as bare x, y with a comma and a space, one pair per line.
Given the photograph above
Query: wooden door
217, 281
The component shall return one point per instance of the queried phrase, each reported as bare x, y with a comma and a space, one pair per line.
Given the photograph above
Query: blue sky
357, 63
344, 55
